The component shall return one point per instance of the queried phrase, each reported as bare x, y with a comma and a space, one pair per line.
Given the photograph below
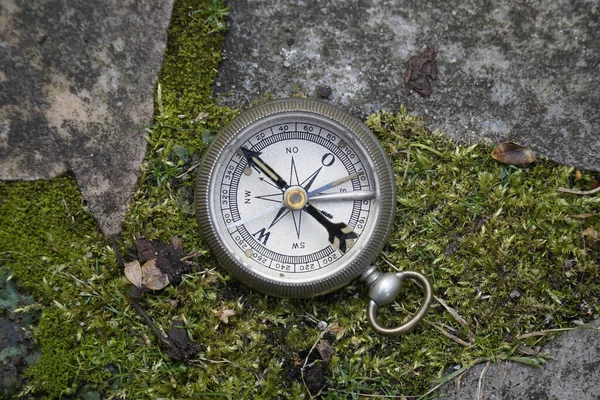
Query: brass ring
427, 297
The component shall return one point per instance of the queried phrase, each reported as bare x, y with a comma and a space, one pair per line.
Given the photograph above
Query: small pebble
323, 91
286, 64
322, 325
515, 294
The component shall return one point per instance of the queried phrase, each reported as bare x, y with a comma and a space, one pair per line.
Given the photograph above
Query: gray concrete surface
517, 70
572, 374
76, 86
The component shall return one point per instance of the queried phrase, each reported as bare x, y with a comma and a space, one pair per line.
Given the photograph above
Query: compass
296, 198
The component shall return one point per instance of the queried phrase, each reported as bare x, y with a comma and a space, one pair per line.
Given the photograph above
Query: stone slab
571, 374
76, 89
507, 70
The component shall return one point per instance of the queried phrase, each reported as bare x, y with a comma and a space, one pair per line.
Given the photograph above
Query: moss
483, 232
55, 371
47, 234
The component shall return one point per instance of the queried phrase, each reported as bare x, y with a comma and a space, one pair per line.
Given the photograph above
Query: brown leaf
133, 273
152, 277
419, 70
513, 154
224, 314
337, 331
591, 232
325, 350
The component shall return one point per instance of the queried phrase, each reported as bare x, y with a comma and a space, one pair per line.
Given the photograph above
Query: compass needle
255, 222
254, 159
339, 233
335, 183
353, 196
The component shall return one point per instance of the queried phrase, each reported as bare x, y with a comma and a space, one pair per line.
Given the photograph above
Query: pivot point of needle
295, 198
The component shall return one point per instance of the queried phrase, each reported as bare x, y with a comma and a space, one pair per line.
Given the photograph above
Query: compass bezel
385, 187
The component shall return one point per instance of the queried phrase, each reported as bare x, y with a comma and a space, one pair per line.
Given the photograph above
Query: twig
452, 311
458, 382
115, 247
453, 375
223, 361
156, 331
406, 169
305, 365
388, 262
548, 331
384, 396
581, 216
449, 335
191, 255
595, 64
480, 383
85, 284
579, 192
188, 171
457, 317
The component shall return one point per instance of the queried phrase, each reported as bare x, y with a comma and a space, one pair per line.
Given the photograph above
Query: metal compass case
296, 198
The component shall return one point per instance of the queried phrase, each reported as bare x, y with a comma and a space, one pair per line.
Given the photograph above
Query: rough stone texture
571, 375
507, 70
13, 350
76, 86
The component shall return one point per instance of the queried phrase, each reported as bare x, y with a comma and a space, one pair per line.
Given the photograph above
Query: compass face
295, 198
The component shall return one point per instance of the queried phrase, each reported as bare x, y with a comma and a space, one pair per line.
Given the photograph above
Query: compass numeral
328, 160
263, 236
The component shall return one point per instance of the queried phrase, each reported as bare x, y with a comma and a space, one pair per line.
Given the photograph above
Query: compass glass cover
280, 183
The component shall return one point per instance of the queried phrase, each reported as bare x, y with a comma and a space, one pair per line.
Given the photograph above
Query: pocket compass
296, 198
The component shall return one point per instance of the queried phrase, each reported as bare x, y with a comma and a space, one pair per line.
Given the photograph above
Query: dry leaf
133, 273
152, 277
325, 350
577, 174
355, 341
337, 331
591, 232
224, 314
176, 243
513, 154
419, 70
581, 216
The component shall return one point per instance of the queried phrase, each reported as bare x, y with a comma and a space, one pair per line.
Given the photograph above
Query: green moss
501, 245
187, 118
47, 235
55, 371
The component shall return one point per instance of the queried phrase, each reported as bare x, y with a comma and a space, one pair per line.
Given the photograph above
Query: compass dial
295, 197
